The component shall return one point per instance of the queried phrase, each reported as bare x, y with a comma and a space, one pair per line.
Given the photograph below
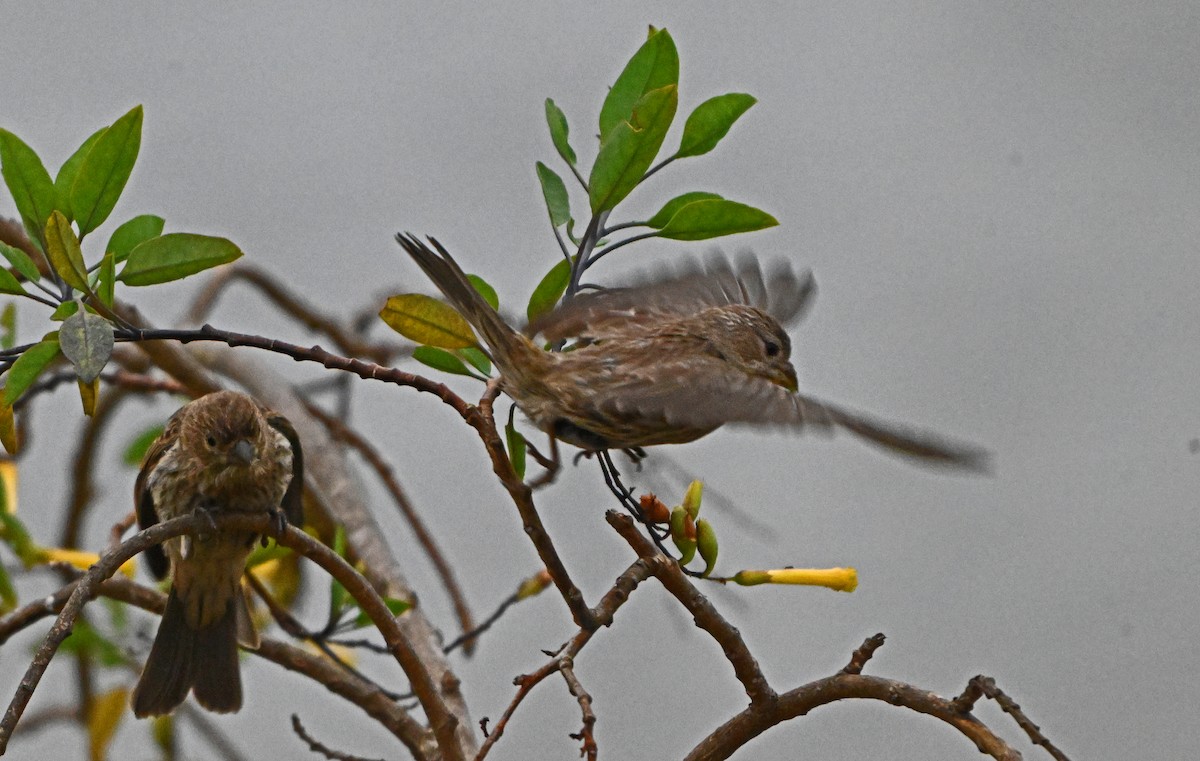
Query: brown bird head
751, 340
227, 435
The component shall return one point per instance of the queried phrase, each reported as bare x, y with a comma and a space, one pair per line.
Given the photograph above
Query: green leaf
559, 131
21, 262
515, 443
28, 182
87, 340
64, 310
675, 204
654, 66
8, 326
86, 640
8, 594
710, 122
174, 256
16, 536
272, 551
426, 320
28, 367
713, 218
558, 203
135, 450
630, 148
107, 280
440, 359
65, 255
485, 290
478, 359
133, 233
395, 606
69, 171
549, 290
105, 170
9, 283
337, 593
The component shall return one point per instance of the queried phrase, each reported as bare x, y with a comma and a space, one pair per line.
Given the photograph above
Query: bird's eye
771, 348
211, 441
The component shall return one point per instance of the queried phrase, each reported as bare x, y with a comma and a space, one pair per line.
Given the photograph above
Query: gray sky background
999, 202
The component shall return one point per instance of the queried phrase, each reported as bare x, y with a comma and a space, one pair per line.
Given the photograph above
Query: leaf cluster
59, 214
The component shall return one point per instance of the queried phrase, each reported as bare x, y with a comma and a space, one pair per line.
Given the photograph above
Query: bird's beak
243, 451
786, 377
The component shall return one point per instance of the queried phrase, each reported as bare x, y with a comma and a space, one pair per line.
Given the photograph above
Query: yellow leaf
80, 559
8, 428
106, 713
8, 473
426, 320
88, 394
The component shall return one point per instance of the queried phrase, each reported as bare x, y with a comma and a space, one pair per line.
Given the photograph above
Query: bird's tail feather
445, 273
183, 658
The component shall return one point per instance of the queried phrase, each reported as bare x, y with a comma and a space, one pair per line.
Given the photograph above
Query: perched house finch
667, 361
222, 452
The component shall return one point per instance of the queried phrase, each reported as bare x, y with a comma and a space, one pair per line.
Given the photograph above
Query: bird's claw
279, 524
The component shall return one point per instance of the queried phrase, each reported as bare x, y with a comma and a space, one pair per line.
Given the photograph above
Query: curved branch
735, 733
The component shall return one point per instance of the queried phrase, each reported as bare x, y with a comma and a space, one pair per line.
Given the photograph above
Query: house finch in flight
667, 361
222, 452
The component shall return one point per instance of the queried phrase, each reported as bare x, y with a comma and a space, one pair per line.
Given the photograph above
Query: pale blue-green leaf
87, 340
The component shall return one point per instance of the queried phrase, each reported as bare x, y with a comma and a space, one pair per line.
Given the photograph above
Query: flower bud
683, 533
653, 509
691, 499
837, 579
706, 543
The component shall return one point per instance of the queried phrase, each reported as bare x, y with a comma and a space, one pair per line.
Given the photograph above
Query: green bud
691, 499
706, 543
684, 539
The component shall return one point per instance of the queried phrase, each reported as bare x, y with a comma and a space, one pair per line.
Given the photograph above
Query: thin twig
603, 614
586, 735
705, 615
985, 686
304, 313
317, 747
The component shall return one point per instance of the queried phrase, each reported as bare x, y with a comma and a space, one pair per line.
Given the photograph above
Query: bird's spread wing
677, 292
693, 397
717, 394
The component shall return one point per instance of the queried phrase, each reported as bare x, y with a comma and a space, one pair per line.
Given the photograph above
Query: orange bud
653, 509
